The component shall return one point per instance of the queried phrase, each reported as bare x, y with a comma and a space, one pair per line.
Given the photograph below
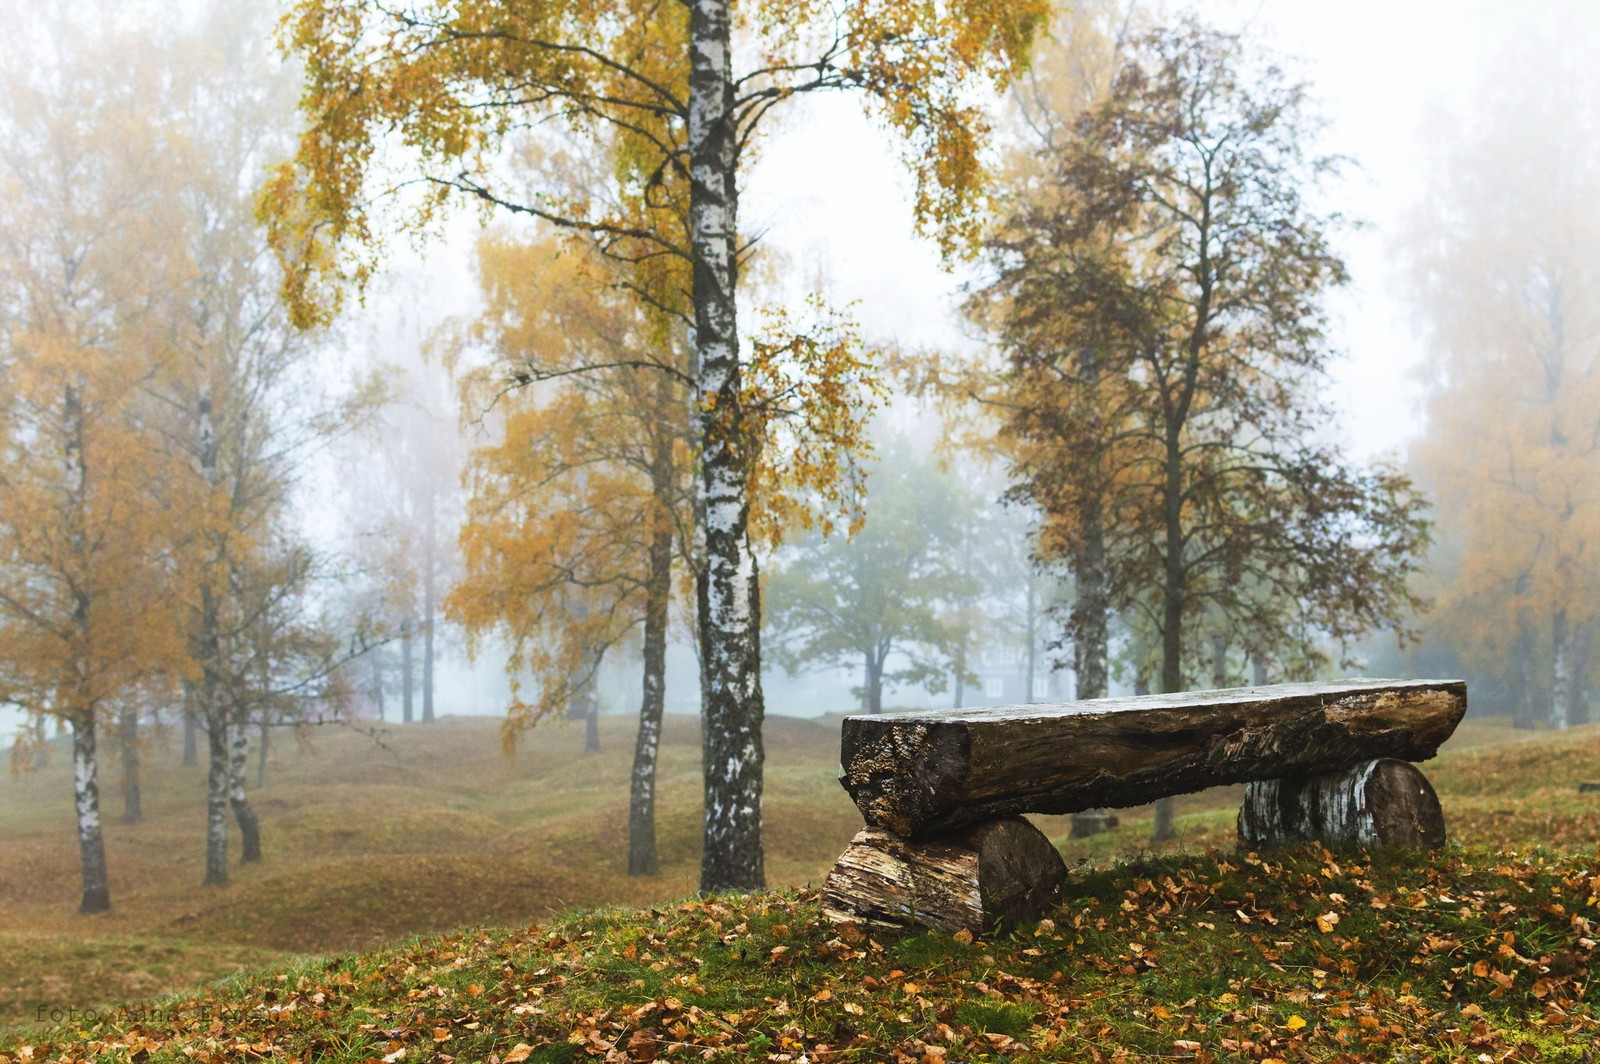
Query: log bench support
1378, 804
983, 878
941, 792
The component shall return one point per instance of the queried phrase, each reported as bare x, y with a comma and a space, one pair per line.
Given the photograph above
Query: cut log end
980, 879
1379, 804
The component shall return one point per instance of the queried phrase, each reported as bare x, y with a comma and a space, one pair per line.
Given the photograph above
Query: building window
994, 687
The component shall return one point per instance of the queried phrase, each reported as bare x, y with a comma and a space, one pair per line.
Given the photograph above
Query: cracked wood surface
922, 773
981, 878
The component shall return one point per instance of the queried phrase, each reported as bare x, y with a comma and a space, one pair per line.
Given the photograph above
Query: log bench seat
942, 792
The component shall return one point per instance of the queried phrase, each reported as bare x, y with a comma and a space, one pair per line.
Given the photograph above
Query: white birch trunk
86, 795
1561, 674
249, 827
728, 595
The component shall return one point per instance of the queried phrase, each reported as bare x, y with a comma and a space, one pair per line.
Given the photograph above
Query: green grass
1186, 950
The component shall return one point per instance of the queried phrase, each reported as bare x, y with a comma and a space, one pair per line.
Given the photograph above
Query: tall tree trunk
591, 700
191, 729
128, 739
1219, 661
406, 635
1582, 660
1561, 671
728, 591
642, 857
216, 796
428, 610
872, 682
1090, 645
41, 744
249, 826
1030, 628
86, 794
377, 683
1090, 614
208, 692
1258, 671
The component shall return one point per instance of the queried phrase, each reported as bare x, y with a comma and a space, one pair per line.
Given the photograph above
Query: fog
1399, 85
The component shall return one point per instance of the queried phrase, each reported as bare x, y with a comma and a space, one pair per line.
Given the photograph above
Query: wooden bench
943, 792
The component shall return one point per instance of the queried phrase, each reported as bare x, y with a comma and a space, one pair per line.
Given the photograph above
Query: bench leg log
1375, 804
983, 878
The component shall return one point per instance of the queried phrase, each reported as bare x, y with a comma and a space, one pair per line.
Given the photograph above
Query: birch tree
235, 398
87, 488
455, 81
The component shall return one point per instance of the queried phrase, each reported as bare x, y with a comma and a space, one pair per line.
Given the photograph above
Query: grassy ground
436, 830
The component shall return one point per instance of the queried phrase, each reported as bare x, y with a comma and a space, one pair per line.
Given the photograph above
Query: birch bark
86, 794
249, 826
643, 859
729, 604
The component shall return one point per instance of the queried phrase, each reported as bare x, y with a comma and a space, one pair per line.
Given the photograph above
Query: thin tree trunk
591, 715
1030, 628
428, 611
728, 592
216, 798
128, 738
249, 826
872, 682
1560, 673
1090, 647
1582, 659
406, 636
41, 741
191, 730
642, 856
86, 794
377, 684
1219, 661
1258, 671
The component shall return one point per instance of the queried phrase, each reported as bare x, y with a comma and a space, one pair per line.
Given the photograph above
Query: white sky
830, 193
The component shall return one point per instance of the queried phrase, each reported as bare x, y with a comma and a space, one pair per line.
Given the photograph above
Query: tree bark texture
1375, 804
86, 798
217, 798
249, 826
727, 590
920, 774
980, 879
1090, 648
643, 859
128, 740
